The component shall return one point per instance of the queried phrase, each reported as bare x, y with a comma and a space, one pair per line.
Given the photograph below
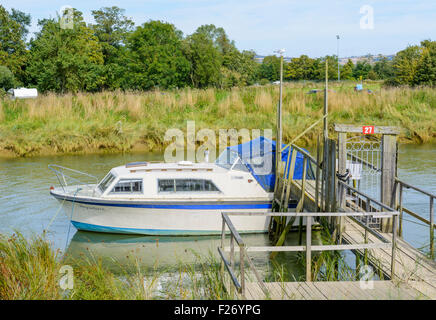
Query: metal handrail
398, 199
354, 190
61, 175
308, 248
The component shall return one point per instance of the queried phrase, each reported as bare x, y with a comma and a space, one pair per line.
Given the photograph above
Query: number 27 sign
368, 129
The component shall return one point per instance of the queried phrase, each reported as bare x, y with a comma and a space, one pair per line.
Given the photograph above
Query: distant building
259, 59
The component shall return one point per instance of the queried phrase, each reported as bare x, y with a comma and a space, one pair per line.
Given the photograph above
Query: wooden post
326, 104
308, 249
318, 155
332, 171
389, 147
289, 180
342, 162
327, 175
300, 206
342, 169
331, 185
324, 196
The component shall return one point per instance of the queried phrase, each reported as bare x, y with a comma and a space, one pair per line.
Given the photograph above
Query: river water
27, 207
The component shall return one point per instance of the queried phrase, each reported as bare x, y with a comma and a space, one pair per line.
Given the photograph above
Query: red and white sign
368, 129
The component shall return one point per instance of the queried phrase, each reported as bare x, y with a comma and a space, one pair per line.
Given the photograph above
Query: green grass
31, 270
126, 121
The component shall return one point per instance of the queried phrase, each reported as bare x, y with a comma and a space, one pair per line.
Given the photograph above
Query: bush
263, 81
7, 79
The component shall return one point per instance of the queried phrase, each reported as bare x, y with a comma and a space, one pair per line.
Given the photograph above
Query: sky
300, 27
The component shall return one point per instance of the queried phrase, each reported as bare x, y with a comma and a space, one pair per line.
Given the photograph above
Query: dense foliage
112, 53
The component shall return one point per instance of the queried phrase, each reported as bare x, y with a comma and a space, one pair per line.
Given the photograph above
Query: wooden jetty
331, 290
369, 227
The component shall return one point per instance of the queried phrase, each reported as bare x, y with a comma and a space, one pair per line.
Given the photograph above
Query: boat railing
65, 174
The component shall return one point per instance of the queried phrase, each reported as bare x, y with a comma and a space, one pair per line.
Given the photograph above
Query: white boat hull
146, 220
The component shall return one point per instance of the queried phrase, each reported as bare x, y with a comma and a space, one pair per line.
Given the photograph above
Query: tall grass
30, 269
123, 121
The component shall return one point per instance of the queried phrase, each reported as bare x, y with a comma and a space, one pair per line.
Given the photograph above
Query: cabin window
186, 185
128, 186
106, 182
166, 185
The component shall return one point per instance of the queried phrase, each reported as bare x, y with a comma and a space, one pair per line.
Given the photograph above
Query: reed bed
126, 121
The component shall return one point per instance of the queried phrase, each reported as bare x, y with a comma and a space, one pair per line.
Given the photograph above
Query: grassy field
130, 121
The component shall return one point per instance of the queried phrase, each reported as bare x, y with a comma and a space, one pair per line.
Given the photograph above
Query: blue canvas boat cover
258, 157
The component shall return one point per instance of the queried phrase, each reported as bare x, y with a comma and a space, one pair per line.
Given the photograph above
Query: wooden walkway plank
330, 292
333, 290
349, 291
367, 294
313, 291
410, 263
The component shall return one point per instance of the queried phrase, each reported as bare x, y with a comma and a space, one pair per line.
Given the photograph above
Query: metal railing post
400, 209
223, 238
394, 244
242, 268
431, 228
232, 259
308, 249
368, 209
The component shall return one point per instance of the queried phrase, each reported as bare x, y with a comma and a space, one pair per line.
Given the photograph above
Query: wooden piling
388, 174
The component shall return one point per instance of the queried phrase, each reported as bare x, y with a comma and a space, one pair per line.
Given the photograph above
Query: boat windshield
106, 182
230, 159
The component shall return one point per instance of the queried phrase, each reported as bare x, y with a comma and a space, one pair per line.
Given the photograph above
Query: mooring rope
54, 217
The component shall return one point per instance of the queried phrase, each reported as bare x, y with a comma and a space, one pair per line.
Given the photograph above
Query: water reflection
121, 253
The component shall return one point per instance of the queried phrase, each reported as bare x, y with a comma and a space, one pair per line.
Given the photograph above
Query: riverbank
137, 121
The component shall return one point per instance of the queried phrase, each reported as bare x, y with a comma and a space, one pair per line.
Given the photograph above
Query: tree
362, 69
205, 60
13, 53
270, 68
302, 68
66, 59
23, 19
405, 64
238, 68
218, 37
247, 67
155, 57
383, 68
426, 68
347, 70
111, 28
7, 80
332, 68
